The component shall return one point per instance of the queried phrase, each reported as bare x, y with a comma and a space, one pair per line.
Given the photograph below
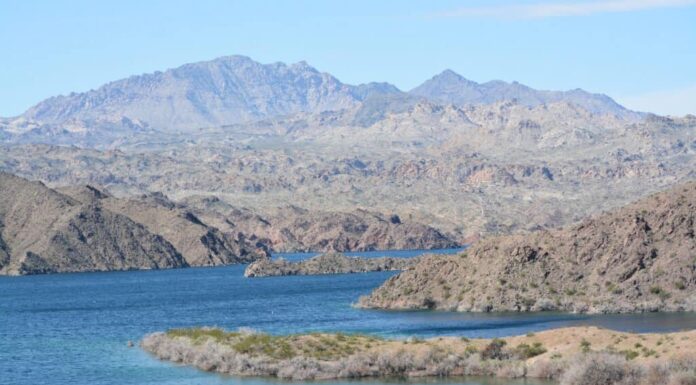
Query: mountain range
289, 145
236, 89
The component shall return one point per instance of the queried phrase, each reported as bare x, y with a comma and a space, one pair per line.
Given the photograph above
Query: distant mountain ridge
237, 89
450, 87
222, 91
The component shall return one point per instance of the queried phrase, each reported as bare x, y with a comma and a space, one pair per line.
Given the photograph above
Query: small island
329, 263
573, 356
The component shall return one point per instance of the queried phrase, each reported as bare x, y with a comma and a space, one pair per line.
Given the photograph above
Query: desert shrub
682, 378
655, 290
510, 369
525, 351
299, 368
199, 334
495, 350
429, 303
601, 369
546, 369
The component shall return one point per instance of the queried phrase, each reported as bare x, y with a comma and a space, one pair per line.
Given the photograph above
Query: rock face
639, 258
329, 263
44, 231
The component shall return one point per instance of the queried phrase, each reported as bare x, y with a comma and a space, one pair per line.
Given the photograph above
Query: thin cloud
547, 10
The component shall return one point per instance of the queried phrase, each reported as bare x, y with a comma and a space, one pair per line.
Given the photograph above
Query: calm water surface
73, 328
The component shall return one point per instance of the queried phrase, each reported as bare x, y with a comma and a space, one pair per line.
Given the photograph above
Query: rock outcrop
329, 263
44, 231
639, 258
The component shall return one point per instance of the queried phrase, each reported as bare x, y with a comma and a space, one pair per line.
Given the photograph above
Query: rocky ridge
234, 89
329, 263
639, 258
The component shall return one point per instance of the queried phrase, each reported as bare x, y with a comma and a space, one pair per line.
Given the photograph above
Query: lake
74, 328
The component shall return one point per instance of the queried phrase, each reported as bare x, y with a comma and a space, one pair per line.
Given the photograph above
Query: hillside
44, 231
86, 229
197, 242
638, 258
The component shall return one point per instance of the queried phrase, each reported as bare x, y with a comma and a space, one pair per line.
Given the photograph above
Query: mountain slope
44, 231
450, 87
637, 258
212, 93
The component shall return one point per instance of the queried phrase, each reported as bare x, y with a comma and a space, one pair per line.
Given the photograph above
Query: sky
640, 52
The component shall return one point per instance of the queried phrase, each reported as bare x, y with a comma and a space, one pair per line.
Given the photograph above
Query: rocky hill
198, 243
638, 258
86, 229
329, 263
44, 231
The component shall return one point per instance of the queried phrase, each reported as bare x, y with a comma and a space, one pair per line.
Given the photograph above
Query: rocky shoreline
329, 263
574, 356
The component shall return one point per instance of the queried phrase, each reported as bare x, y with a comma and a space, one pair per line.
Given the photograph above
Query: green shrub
526, 351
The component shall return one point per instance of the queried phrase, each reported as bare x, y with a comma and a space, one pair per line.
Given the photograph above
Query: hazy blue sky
641, 52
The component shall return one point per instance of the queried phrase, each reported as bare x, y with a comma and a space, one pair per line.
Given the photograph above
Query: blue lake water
74, 328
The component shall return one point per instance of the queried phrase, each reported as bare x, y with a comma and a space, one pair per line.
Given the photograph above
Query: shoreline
555, 354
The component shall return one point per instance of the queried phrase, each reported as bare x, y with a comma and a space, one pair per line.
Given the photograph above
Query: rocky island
639, 258
575, 356
329, 263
